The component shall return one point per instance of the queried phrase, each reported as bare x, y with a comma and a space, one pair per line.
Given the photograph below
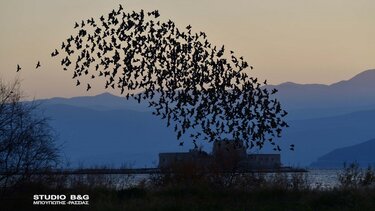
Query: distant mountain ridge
364, 79
362, 153
318, 136
357, 93
107, 129
104, 101
302, 101
110, 137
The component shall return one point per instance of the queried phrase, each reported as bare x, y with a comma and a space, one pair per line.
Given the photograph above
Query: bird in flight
181, 67
156, 13
55, 53
37, 65
292, 147
18, 67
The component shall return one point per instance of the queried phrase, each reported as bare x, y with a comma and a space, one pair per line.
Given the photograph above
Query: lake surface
316, 178
323, 178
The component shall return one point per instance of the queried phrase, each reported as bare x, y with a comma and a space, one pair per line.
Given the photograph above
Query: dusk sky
321, 41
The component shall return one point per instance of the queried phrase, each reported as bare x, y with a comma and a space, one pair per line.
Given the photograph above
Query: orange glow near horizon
300, 41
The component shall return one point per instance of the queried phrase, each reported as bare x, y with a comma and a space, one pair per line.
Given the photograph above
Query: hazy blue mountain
317, 100
362, 153
123, 136
106, 129
302, 101
105, 101
316, 137
110, 137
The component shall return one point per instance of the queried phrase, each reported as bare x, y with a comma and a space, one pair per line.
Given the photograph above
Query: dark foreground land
192, 191
194, 198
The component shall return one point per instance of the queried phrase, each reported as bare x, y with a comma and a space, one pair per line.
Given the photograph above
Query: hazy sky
320, 41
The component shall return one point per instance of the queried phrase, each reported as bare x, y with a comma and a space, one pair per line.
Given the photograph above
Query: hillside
302, 101
104, 101
316, 137
362, 153
318, 100
110, 137
117, 136
107, 129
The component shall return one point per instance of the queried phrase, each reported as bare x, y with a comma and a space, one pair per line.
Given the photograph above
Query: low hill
362, 153
316, 137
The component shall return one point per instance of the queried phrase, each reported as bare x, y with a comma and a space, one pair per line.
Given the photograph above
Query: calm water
319, 178
316, 178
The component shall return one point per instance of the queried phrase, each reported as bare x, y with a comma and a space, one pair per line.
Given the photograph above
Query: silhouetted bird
156, 14
37, 65
18, 67
197, 87
291, 147
55, 53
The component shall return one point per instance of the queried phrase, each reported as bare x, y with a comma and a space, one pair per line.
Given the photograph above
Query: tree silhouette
201, 90
27, 142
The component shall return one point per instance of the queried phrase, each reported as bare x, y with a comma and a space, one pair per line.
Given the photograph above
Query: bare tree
27, 142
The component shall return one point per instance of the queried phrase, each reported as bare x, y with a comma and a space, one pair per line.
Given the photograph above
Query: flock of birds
199, 89
37, 66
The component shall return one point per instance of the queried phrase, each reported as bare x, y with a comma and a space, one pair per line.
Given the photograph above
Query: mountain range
362, 153
319, 100
108, 129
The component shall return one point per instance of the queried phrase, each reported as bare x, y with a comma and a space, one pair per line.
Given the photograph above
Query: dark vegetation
185, 190
27, 143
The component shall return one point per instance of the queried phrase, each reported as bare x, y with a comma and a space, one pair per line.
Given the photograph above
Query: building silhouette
226, 155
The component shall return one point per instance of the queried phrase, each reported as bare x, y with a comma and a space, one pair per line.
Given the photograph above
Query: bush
188, 175
353, 176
